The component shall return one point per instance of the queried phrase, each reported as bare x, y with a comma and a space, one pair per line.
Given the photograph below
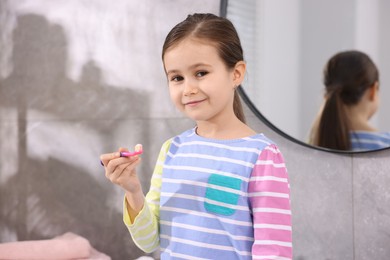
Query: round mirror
286, 46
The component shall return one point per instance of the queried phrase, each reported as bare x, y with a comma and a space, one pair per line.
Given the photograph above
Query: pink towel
64, 247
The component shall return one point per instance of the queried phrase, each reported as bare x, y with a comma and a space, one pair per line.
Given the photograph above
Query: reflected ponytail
334, 126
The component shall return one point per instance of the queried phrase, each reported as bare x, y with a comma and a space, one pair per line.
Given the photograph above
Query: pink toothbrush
138, 151
129, 154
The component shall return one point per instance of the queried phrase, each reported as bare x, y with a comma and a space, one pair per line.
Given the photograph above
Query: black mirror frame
259, 115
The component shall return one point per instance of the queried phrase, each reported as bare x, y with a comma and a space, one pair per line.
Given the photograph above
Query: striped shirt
365, 141
216, 199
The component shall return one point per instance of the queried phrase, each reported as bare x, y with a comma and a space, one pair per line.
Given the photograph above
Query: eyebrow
191, 67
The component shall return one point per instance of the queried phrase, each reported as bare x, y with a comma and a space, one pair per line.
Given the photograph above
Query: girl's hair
347, 76
217, 30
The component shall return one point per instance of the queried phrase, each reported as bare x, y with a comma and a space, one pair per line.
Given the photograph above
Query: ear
239, 72
373, 91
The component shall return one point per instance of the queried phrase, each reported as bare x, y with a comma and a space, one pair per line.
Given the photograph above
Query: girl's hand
122, 170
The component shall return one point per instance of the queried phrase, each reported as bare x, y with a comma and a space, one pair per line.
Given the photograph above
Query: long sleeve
269, 195
145, 228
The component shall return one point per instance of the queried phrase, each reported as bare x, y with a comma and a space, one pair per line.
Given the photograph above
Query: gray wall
340, 203
82, 78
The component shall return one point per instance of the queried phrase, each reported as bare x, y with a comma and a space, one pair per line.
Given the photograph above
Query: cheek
175, 95
222, 92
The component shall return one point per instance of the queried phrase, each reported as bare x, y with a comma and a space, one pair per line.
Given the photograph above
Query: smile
194, 103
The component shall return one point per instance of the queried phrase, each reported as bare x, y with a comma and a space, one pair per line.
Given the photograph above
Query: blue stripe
205, 222
190, 204
369, 140
194, 190
206, 237
199, 252
213, 240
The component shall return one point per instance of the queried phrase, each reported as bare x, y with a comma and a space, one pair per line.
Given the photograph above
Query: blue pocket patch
219, 199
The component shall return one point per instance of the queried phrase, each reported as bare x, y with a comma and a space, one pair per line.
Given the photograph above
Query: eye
201, 73
176, 78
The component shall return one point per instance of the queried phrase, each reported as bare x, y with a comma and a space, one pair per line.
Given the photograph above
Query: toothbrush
138, 151
129, 154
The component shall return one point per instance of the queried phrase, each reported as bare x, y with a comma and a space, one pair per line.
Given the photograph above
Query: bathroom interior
82, 78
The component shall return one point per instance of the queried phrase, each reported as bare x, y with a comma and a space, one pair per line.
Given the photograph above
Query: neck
232, 129
359, 119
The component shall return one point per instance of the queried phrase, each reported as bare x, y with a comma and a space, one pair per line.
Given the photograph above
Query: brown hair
347, 76
219, 31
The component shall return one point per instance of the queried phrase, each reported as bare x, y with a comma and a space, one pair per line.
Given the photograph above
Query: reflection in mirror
288, 43
351, 98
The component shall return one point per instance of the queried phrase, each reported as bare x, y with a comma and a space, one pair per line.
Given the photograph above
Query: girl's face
200, 84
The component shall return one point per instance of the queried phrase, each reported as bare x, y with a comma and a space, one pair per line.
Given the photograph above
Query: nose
190, 88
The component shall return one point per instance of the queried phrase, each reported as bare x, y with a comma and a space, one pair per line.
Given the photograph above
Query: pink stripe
269, 170
271, 186
276, 235
270, 155
272, 218
272, 250
279, 203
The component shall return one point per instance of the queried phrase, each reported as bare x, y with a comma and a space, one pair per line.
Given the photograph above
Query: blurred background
82, 78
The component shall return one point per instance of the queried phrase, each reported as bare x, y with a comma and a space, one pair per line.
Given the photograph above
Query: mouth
193, 102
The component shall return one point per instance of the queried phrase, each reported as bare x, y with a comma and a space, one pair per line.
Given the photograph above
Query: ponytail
334, 128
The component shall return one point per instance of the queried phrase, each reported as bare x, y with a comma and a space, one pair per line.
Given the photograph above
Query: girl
351, 82
219, 190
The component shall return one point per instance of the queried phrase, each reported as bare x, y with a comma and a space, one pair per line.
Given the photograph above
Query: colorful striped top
216, 199
365, 141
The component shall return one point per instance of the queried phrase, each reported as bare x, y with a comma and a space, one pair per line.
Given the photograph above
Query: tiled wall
77, 81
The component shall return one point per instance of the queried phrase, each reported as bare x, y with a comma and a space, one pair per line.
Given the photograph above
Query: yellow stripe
144, 230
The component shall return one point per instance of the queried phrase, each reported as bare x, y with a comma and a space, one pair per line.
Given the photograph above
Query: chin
197, 118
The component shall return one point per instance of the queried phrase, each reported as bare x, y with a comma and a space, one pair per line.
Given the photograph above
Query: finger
117, 165
122, 149
114, 174
123, 171
128, 171
137, 162
107, 157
